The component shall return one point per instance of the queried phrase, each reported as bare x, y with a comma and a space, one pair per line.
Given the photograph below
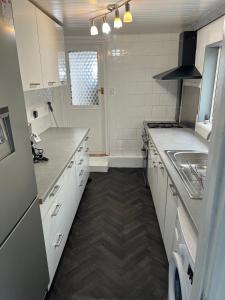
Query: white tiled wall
133, 96
37, 100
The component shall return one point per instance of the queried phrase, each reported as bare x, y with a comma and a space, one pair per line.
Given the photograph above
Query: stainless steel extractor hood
186, 62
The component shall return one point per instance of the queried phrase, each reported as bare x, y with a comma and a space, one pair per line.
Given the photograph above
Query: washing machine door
177, 279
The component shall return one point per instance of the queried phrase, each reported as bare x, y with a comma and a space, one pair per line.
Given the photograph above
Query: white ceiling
149, 15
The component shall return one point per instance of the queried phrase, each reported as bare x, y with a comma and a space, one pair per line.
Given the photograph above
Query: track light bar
117, 21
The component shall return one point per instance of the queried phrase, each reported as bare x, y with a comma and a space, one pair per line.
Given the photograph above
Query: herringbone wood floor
114, 250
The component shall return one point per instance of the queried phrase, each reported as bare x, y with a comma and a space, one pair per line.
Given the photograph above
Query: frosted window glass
84, 77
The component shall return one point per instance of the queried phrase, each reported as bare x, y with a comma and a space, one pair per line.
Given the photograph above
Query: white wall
208, 35
211, 34
37, 100
132, 96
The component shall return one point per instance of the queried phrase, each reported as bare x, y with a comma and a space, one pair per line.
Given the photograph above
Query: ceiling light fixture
111, 8
94, 29
117, 21
127, 18
105, 26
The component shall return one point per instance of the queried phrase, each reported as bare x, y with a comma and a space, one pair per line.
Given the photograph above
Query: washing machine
181, 265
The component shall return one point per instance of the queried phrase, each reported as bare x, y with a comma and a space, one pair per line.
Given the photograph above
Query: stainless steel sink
191, 167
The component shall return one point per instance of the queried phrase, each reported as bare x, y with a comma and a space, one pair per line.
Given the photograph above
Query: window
214, 87
209, 84
84, 78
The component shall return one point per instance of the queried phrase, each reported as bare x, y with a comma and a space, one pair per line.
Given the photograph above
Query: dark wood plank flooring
114, 250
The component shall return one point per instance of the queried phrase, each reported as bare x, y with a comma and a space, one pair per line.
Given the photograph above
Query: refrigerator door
17, 180
23, 263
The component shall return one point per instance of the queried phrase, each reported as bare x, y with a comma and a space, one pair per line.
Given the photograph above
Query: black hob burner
164, 125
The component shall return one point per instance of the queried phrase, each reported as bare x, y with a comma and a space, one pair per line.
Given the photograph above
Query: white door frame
209, 277
71, 43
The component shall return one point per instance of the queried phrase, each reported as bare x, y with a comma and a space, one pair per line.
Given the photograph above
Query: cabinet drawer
55, 250
52, 196
53, 218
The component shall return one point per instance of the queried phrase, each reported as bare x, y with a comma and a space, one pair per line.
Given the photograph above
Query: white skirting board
99, 164
126, 162
102, 164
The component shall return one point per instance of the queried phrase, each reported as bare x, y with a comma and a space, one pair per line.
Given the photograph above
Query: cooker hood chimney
186, 63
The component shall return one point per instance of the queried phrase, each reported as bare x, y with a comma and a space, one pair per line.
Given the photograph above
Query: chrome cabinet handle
51, 82
59, 240
33, 84
55, 190
161, 165
81, 172
81, 161
70, 164
81, 184
87, 150
56, 210
172, 190
80, 149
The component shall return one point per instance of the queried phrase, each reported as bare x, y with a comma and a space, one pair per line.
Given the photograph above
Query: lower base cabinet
162, 196
170, 218
59, 209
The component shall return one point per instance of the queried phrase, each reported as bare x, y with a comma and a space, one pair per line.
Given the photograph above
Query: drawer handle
161, 165
56, 210
55, 190
32, 84
172, 190
70, 164
81, 161
86, 139
59, 240
81, 184
81, 172
51, 83
80, 149
87, 150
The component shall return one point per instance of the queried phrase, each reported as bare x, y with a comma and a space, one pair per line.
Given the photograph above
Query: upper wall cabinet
61, 55
47, 32
27, 44
40, 43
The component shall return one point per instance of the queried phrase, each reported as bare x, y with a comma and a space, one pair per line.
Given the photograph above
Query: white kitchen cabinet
40, 44
60, 207
82, 166
61, 55
162, 195
170, 218
71, 191
153, 173
25, 23
47, 32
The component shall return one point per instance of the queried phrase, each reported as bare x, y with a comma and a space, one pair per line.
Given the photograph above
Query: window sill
203, 129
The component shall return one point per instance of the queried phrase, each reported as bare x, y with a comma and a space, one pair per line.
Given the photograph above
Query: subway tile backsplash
134, 96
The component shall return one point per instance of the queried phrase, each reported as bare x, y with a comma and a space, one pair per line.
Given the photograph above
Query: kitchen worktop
180, 139
59, 146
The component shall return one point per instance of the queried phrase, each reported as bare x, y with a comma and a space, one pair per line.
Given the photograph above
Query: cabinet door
154, 176
25, 23
162, 191
47, 32
170, 218
71, 191
61, 56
